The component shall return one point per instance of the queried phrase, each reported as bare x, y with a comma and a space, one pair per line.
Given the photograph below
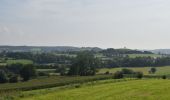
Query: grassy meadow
13, 61
22, 61
160, 70
146, 89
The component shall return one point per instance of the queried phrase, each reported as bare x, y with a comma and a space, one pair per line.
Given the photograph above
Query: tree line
15, 72
40, 58
136, 62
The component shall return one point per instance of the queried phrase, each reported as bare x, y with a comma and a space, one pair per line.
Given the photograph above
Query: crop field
146, 89
144, 55
160, 70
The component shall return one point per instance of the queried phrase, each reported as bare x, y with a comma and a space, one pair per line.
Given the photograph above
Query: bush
164, 77
152, 70
3, 77
107, 72
127, 71
139, 75
77, 86
13, 79
42, 74
118, 75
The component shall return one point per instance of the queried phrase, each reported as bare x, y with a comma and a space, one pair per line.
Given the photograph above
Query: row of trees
12, 73
110, 52
40, 58
85, 64
136, 62
123, 72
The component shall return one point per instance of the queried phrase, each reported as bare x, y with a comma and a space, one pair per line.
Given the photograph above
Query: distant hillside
45, 48
161, 51
69, 48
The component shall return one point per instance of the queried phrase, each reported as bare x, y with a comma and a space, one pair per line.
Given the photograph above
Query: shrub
127, 71
107, 72
3, 76
139, 75
118, 75
42, 74
164, 77
13, 79
152, 70
77, 86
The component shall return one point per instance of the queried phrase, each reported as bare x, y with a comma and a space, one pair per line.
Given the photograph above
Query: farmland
160, 70
148, 89
22, 61
85, 74
13, 61
84, 50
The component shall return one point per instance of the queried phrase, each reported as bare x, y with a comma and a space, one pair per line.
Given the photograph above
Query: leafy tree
139, 75
84, 64
3, 76
15, 68
164, 77
107, 72
13, 79
152, 70
27, 72
62, 70
127, 71
42, 74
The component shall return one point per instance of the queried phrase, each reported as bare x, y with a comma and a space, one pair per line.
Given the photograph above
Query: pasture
160, 70
146, 89
22, 61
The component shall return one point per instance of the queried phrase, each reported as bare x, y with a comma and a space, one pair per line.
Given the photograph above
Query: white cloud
4, 29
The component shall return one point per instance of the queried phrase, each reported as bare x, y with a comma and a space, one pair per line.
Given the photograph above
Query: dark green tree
13, 78
139, 75
3, 76
62, 70
127, 71
27, 72
15, 68
164, 77
152, 70
85, 64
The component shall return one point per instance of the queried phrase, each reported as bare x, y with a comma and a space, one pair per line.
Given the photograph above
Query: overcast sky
137, 24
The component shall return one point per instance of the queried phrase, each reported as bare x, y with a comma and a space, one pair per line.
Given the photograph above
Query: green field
52, 81
144, 55
160, 70
147, 89
22, 61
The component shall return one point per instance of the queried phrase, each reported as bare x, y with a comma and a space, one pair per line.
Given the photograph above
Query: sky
136, 24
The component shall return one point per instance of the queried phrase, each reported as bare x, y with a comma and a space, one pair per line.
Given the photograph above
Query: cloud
90, 22
4, 29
